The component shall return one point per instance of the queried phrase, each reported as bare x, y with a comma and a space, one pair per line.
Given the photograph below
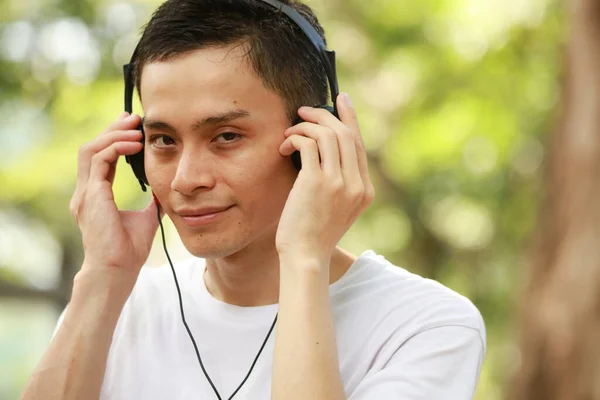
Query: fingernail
130, 118
123, 115
347, 99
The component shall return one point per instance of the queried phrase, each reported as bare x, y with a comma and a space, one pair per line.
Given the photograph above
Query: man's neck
251, 277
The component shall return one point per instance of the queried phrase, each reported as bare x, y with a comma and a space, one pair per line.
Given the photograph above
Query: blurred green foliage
455, 99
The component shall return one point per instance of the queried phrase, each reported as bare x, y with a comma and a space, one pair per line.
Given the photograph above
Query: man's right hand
115, 242
116, 245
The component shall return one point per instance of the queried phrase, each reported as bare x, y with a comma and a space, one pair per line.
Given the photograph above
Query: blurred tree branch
14, 290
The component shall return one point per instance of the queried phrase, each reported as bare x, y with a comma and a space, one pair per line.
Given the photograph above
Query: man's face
213, 133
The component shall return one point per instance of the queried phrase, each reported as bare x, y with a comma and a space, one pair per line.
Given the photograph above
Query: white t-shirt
399, 336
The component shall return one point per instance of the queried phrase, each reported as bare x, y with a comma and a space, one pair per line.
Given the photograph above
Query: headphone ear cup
296, 154
137, 162
296, 160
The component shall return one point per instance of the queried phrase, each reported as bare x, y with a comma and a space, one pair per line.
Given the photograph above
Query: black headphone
326, 56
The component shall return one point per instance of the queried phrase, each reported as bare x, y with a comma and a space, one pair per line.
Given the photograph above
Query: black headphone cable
162, 232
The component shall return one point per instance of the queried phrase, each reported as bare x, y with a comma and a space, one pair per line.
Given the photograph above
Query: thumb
157, 203
151, 216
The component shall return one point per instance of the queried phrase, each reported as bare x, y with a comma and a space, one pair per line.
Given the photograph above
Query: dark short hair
280, 53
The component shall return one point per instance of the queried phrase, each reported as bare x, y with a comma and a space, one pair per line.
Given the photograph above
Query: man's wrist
108, 287
304, 261
303, 274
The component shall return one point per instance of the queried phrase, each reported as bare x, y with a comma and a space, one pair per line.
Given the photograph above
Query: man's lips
197, 217
201, 211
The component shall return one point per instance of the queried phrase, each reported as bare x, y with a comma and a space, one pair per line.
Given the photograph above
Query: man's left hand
328, 195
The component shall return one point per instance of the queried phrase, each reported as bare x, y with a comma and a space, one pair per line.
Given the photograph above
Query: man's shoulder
389, 292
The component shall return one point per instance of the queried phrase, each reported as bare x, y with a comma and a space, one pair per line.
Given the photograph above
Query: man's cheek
159, 180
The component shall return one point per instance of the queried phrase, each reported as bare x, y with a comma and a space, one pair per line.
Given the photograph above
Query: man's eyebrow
227, 116
149, 123
222, 118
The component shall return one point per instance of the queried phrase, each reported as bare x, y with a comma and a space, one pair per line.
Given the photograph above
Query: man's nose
193, 171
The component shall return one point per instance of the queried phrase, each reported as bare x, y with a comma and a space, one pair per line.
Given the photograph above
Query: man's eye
229, 137
162, 141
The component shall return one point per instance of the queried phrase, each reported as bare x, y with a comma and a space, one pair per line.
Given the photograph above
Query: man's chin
210, 250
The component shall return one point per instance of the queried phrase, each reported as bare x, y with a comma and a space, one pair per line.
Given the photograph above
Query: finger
87, 151
151, 219
346, 140
327, 142
143, 224
103, 161
346, 112
321, 117
348, 116
124, 122
152, 210
309, 152
157, 202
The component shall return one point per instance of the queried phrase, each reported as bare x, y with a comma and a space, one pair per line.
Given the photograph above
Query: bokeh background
455, 97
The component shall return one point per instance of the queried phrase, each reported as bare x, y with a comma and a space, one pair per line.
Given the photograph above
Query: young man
221, 83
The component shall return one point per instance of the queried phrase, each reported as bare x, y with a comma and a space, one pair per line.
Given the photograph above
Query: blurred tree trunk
560, 357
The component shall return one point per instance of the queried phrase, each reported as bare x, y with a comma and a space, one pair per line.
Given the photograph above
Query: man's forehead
207, 83
200, 75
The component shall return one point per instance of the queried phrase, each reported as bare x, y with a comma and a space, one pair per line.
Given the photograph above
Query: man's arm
73, 365
331, 191
305, 362
116, 245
